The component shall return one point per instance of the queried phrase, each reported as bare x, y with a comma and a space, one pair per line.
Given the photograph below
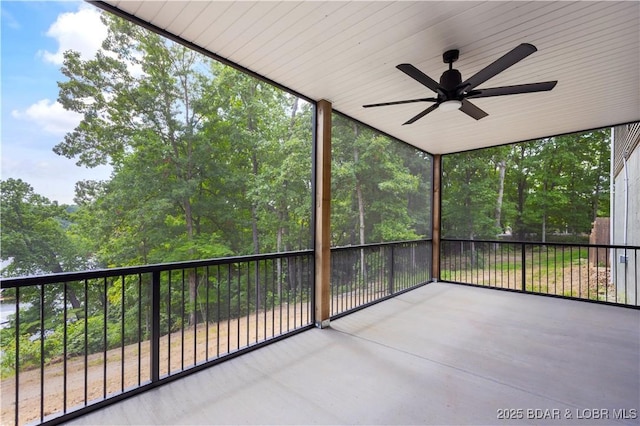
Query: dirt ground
178, 351
582, 280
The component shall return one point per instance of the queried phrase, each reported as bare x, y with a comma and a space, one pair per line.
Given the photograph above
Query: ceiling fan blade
420, 77
422, 114
499, 65
471, 110
401, 102
513, 90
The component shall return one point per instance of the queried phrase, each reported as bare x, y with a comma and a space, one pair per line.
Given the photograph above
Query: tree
372, 186
270, 157
561, 183
147, 126
419, 164
33, 237
469, 193
197, 150
34, 241
537, 188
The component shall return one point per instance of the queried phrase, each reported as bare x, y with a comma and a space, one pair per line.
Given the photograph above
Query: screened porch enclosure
440, 354
361, 311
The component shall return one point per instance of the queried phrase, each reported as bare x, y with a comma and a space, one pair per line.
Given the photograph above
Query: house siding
626, 198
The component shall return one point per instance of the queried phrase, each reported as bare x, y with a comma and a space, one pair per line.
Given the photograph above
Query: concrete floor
441, 354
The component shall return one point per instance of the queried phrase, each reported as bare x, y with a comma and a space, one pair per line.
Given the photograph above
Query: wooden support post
323, 210
435, 214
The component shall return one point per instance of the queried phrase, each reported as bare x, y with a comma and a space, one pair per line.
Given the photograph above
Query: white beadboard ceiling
346, 52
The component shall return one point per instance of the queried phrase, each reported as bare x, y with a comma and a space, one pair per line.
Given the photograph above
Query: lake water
6, 309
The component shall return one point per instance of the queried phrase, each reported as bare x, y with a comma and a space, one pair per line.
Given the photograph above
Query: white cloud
50, 175
81, 31
51, 117
8, 19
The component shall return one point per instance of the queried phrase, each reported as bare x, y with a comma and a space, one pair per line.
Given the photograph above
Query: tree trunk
283, 214
596, 200
254, 169
363, 269
521, 188
192, 276
73, 298
360, 201
254, 211
292, 123
472, 259
279, 264
546, 188
361, 228
502, 168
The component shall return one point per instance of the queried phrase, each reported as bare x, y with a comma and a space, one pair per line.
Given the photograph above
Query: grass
550, 270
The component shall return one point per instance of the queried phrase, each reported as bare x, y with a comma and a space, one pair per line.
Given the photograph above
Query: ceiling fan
453, 93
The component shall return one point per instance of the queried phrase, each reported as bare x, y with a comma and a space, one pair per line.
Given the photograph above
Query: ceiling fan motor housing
450, 80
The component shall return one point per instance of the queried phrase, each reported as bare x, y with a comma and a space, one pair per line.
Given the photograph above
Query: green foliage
29, 354
552, 187
207, 162
33, 238
377, 187
469, 193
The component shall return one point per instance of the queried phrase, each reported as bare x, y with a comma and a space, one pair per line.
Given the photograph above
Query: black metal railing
366, 274
78, 341
599, 273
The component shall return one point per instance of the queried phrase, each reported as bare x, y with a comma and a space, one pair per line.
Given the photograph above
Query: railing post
523, 258
17, 360
391, 271
155, 326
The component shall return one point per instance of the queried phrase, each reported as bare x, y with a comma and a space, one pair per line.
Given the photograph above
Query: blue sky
33, 36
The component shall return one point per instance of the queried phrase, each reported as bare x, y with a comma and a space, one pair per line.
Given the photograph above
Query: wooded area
544, 190
207, 162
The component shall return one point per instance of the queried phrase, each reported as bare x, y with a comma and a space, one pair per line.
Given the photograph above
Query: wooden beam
323, 210
435, 215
